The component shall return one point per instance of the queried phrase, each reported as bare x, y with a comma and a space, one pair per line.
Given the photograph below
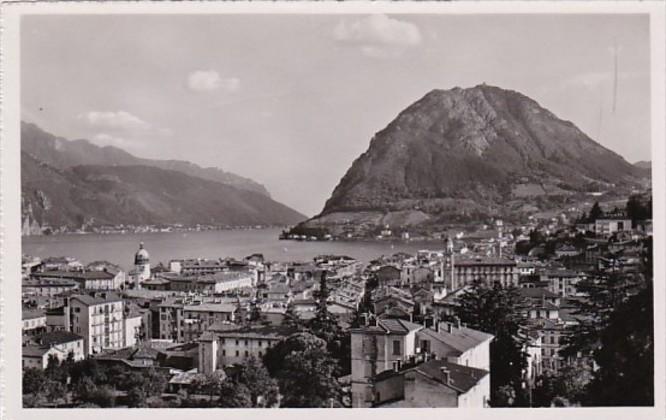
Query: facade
99, 319
34, 321
47, 287
58, 344
86, 280
197, 318
607, 226
223, 345
487, 270
387, 350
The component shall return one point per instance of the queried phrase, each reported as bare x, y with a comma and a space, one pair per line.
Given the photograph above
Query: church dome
141, 256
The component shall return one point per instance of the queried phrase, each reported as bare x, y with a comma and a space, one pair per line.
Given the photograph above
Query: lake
120, 248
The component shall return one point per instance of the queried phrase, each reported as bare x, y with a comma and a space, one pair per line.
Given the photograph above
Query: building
58, 344
99, 319
610, 224
224, 344
220, 282
375, 348
432, 384
197, 318
396, 346
34, 321
141, 271
86, 280
486, 270
47, 287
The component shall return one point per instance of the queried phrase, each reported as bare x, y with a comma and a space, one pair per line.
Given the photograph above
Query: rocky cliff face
480, 150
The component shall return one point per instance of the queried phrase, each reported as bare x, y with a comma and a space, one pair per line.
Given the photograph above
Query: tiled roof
460, 338
461, 378
398, 326
34, 351
97, 300
58, 337
32, 314
75, 275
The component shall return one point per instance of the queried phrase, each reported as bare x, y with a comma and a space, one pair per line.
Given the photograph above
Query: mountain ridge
471, 151
62, 193
64, 153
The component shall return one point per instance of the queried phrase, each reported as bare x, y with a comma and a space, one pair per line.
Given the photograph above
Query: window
224, 352
237, 353
396, 348
246, 353
246, 342
236, 342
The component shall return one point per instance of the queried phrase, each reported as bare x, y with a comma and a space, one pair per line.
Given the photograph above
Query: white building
99, 319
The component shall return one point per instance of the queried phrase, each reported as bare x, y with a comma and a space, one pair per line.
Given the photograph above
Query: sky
291, 100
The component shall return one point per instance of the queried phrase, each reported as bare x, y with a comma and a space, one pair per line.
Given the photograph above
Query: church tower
141, 265
450, 260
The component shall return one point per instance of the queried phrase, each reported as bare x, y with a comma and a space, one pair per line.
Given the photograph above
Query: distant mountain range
468, 153
71, 183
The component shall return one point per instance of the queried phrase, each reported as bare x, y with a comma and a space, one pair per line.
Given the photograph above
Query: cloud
114, 119
210, 80
378, 35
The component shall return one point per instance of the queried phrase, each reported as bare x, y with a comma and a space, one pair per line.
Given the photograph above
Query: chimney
446, 374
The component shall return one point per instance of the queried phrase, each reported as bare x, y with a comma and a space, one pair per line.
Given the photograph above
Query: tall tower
141, 265
500, 228
451, 259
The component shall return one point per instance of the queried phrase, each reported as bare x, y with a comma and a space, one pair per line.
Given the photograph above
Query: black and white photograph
262, 206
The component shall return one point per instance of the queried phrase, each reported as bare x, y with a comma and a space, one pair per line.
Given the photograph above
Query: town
518, 316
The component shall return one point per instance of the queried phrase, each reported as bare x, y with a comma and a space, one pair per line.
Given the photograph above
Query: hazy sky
291, 101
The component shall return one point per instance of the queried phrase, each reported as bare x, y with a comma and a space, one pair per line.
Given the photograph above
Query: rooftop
460, 338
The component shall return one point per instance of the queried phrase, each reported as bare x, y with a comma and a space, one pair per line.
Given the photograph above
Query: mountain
62, 153
466, 153
57, 190
643, 164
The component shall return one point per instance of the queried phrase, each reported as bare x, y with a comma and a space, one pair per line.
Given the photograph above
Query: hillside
62, 154
59, 192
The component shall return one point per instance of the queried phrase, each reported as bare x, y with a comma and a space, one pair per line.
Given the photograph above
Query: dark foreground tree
626, 356
305, 371
499, 311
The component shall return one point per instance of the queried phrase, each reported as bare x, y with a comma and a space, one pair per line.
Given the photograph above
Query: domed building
141, 271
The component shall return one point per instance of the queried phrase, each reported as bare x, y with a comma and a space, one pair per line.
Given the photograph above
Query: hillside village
500, 319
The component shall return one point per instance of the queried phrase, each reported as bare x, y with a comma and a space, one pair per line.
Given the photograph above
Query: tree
499, 311
263, 390
595, 212
291, 319
626, 355
638, 209
233, 395
604, 292
33, 380
304, 370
